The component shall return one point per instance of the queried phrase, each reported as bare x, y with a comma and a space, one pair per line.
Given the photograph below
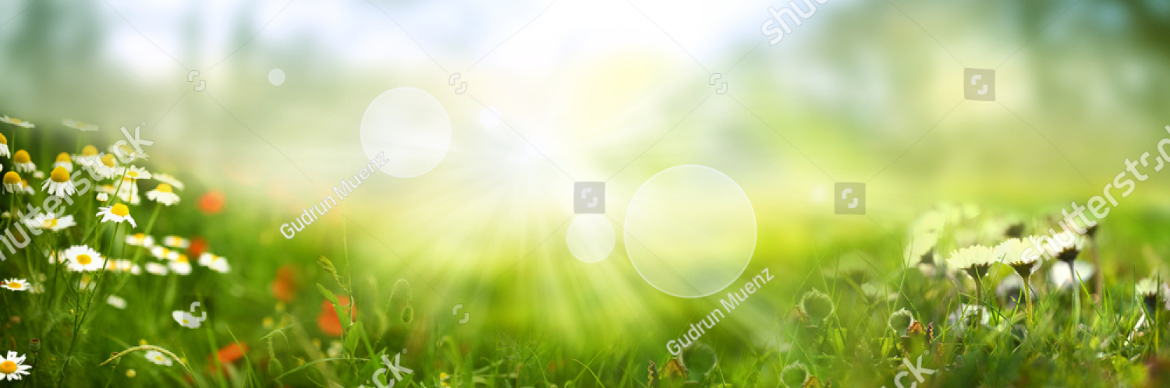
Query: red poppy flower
211, 202
327, 320
284, 288
227, 355
198, 246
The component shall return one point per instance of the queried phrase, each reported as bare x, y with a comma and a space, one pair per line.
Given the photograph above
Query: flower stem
1028, 297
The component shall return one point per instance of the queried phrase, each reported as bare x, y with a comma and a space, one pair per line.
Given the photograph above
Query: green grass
1081, 338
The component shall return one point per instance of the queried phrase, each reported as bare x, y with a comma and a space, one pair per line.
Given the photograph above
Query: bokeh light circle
276, 77
410, 127
590, 238
690, 231
490, 117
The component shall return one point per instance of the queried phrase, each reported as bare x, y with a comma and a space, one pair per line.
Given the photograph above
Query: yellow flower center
84, 259
164, 188
49, 223
16, 121
21, 157
64, 157
182, 258
89, 150
15, 286
108, 160
185, 321
3, 140
11, 178
132, 174
7, 367
60, 175
139, 237
120, 210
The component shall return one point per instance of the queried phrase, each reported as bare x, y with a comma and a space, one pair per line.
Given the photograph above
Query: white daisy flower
82, 258
89, 156
17, 122
170, 180
920, 250
123, 266
55, 257
1062, 276
79, 125
185, 319
102, 197
86, 283
59, 183
38, 174
163, 194
180, 265
15, 284
335, 349
63, 160
4, 146
967, 315
158, 358
1021, 256
117, 302
1153, 294
154, 268
128, 191
128, 153
216, 263
129, 266
12, 182
117, 213
163, 253
976, 260
23, 162
176, 242
51, 222
106, 166
134, 172
12, 366
140, 240
931, 222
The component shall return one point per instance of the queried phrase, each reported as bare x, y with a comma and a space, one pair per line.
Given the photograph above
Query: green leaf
328, 294
366, 372
352, 337
836, 338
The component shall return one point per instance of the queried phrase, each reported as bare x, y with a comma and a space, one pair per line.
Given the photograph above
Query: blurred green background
610, 90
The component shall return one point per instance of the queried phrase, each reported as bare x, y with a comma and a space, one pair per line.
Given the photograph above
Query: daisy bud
794, 375
34, 345
900, 321
817, 305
